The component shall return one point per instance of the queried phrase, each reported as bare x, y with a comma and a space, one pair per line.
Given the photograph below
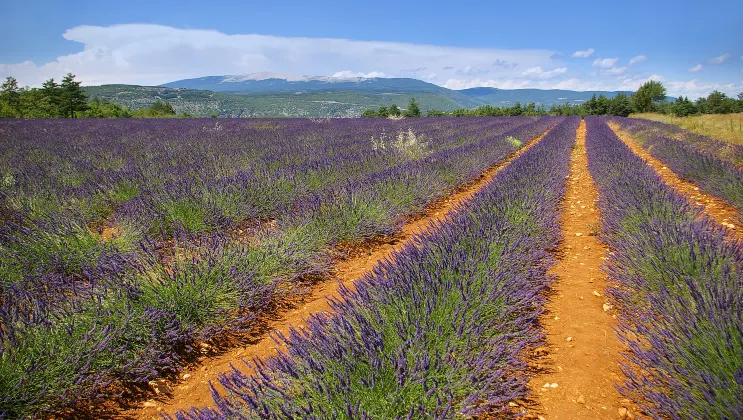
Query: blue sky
692, 47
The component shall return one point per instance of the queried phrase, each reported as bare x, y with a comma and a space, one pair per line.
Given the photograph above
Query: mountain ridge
267, 94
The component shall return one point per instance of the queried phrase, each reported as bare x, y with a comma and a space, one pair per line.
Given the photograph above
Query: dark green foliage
10, 97
413, 109
620, 106
395, 111
435, 113
72, 97
98, 108
683, 107
647, 95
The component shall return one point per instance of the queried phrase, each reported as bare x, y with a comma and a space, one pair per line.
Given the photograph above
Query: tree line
650, 97
68, 100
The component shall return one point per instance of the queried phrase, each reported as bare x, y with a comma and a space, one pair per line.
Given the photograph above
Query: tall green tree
53, 96
10, 98
620, 105
719, 103
73, 98
413, 109
602, 105
395, 110
650, 92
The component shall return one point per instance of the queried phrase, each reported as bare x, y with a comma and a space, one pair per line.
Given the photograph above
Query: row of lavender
62, 178
71, 333
715, 166
437, 331
678, 285
643, 128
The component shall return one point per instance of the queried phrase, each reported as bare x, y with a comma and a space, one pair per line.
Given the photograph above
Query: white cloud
501, 83
584, 54
720, 59
537, 72
615, 71
605, 63
349, 73
637, 59
154, 54
696, 68
692, 88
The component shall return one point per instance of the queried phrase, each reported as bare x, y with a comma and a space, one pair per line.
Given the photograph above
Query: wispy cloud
637, 59
154, 54
696, 68
538, 73
605, 63
617, 70
349, 73
583, 54
720, 59
503, 64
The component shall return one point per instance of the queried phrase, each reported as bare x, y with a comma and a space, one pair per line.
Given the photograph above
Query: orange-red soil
194, 390
580, 362
719, 210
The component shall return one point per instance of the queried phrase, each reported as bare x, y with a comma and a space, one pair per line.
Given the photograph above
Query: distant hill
286, 95
313, 104
547, 97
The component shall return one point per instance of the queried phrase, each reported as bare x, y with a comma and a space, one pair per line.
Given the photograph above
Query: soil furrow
580, 362
194, 389
719, 210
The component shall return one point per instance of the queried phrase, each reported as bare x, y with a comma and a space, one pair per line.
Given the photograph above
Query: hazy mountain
280, 95
500, 97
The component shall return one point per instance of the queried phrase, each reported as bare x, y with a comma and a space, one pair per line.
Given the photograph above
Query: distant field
728, 127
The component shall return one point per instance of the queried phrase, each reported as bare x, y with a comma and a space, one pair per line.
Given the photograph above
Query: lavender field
130, 248
125, 244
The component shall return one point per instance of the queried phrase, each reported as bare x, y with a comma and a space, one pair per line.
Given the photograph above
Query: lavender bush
192, 255
642, 129
678, 288
436, 331
705, 168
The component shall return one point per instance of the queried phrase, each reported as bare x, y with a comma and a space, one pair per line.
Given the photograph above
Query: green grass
727, 127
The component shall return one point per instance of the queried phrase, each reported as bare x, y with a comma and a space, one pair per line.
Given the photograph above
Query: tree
160, 108
10, 97
383, 113
395, 111
591, 106
413, 109
98, 108
650, 92
436, 113
602, 105
53, 96
683, 107
620, 105
719, 103
73, 98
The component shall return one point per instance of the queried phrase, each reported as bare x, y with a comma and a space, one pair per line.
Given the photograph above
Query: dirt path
582, 352
194, 389
719, 210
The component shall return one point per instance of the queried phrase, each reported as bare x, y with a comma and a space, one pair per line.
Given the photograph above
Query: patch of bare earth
580, 362
194, 389
719, 210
